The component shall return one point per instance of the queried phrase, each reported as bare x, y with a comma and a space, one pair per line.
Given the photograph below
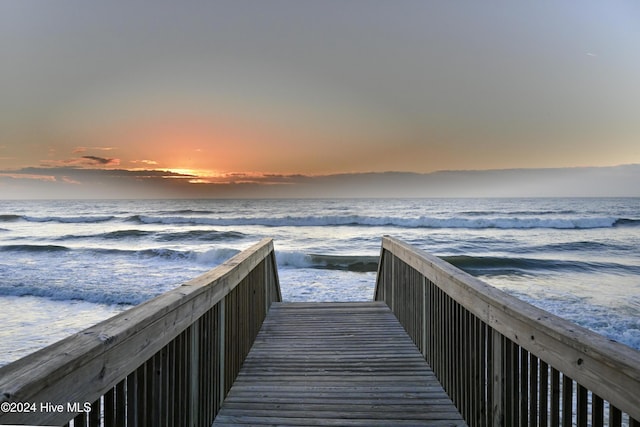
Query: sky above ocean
197, 96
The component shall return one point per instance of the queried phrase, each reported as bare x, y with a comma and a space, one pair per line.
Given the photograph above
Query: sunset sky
199, 94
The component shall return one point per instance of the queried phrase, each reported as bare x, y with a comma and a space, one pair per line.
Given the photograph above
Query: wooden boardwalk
174, 359
335, 364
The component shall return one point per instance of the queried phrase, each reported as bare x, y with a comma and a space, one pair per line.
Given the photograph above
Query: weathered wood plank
224, 421
607, 368
85, 366
335, 364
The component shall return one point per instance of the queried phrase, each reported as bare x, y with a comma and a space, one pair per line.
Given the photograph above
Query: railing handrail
82, 367
608, 368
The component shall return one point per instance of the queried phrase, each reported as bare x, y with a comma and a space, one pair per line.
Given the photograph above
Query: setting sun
197, 173
245, 97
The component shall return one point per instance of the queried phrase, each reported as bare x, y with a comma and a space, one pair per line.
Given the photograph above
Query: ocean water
65, 265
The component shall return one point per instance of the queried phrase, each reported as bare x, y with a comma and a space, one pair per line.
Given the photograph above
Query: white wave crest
215, 256
373, 221
293, 259
70, 219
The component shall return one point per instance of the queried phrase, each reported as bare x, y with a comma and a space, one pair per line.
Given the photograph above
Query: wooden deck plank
335, 364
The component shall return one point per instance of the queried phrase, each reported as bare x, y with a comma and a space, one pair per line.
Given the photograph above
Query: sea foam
416, 222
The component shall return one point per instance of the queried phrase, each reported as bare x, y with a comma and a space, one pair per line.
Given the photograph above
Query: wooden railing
169, 361
502, 361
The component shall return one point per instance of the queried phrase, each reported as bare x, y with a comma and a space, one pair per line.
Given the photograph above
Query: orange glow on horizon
192, 145
197, 173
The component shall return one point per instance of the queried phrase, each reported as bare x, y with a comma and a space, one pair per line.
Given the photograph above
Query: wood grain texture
607, 369
134, 345
335, 364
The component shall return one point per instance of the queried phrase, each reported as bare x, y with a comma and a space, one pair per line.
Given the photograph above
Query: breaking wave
419, 222
492, 265
472, 220
161, 236
360, 263
34, 248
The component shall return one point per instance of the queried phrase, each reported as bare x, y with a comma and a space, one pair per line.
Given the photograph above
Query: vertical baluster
235, 344
221, 349
468, 379
406, 290
534, 387
166, 385
515, 375
206, 360
581, 406
456, 351
228, 341
109, 407
204, 370
450, 346
437, 330
555, 397
215, 359
597, 411
544, 394
446, 360
425, 316
94, 414
499, 378
524, 387
132, 403
142, 382
510, 392
243, 315
471, 357
491, 377
485, 375
180, 414
615, 416
416, 308
434, 327
567, 401
174, 409
474, 397
80, 420
121, 405
193, 372
154, 401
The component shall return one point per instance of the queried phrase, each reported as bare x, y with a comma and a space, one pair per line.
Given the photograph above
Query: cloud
71, 181
84, 149
80, 162
27, 176
99, 173
102, 161
146, 162
68, 180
